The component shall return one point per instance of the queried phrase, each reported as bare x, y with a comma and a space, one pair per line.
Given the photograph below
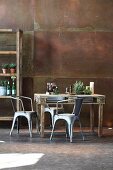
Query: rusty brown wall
64, 41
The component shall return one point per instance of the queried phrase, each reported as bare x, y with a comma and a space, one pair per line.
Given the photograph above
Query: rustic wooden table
95, 99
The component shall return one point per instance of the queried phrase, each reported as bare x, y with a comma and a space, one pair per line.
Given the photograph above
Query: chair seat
67, 117
26, 114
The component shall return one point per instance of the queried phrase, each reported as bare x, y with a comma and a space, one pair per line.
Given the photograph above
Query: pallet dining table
91, 100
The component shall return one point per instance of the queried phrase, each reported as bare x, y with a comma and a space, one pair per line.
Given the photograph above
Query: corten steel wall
65, 41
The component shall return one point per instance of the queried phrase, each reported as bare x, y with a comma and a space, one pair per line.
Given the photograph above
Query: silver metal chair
70, 118
21, 112
51, 108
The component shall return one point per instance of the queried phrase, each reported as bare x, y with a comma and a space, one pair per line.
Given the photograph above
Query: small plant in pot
5, 68
12, 67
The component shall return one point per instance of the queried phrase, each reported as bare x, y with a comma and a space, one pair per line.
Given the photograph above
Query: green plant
78, 87
12, 65
87, 91
5, 66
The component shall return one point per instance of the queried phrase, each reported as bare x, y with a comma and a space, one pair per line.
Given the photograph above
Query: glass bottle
70, 89
13, 89
56, 90
53, 87
50, 88
8, 89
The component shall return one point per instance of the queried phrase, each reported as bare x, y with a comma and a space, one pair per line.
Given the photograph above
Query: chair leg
37, 125
18, 125
52, 131
81, 130
67, 131
71, 132
14, 119
52, 119
29, 125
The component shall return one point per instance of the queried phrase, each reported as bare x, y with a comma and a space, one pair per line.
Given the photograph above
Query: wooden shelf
6, 118
8, 52
5, 30
8, 74
4, 97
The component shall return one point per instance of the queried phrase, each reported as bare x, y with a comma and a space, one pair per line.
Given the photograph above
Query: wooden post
92, 117
100, 120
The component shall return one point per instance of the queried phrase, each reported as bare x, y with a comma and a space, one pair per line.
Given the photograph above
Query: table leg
42, 121
92, 117
38, 114
100, 120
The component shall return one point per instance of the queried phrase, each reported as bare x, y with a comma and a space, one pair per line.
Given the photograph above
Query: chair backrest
18, 100
77, 106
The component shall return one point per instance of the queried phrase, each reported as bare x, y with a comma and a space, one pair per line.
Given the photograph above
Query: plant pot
12, 70
4, 70
2, 91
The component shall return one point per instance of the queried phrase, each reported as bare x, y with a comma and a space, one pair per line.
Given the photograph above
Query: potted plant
3, 84
5, 68
78, 87
12, 67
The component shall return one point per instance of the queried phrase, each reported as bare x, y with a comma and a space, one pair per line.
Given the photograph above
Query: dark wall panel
84, 14
74, 54
17, 14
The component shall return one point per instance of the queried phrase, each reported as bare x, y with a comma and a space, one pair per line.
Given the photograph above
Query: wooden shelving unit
11, 51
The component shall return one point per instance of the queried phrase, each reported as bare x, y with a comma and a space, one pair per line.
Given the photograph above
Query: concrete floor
21, 152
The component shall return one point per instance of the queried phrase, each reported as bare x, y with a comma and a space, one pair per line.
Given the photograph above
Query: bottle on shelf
13, 90
8, 89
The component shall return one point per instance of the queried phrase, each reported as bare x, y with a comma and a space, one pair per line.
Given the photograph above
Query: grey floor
20, 152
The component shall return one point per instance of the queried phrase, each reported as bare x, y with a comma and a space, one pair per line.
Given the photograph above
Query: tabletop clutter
52, 88
77, 88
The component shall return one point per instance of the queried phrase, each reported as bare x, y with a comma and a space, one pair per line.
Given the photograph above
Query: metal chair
21, 112
51, 108
70, 118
